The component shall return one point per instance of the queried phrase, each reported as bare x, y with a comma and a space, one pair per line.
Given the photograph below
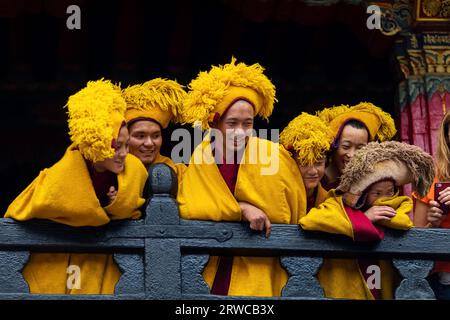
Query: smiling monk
236, 176
95, 182
150, 108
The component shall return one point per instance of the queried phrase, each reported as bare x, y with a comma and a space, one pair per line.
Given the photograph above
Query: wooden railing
163, 256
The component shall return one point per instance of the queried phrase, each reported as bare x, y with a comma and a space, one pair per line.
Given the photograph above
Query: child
308, 139
363, 204
151, 106
353, 127
383, 188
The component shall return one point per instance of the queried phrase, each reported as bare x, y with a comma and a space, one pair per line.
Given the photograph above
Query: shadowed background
316, 57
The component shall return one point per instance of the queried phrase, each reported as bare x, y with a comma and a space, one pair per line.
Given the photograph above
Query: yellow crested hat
380, 124
96, 114
213, 92
308, 137
157, 99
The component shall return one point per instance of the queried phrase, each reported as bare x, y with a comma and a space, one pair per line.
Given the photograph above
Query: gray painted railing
162, 256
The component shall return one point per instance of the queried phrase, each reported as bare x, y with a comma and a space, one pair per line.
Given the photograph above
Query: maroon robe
102, 181
222, 280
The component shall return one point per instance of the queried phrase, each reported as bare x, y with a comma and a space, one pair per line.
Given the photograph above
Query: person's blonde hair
443, 152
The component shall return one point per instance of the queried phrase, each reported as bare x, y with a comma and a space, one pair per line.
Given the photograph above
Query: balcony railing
163, 256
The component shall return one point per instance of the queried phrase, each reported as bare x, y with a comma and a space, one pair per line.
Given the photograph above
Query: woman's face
117, 163
351, 140
313, 174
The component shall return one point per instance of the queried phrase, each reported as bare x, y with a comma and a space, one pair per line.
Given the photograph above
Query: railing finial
162, 180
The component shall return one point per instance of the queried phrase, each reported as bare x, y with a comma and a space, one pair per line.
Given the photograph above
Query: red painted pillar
424, 94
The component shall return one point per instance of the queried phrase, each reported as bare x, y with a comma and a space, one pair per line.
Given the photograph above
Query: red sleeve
363, 228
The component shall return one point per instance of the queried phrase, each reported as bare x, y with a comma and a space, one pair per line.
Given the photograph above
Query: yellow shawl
204, 195
64, 193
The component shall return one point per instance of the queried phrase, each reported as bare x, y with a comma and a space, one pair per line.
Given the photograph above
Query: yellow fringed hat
213, 92
309, 137
157, 99
96, 114
380, 124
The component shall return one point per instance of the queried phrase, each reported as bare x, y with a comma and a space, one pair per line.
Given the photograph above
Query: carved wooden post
302, 277
162, 256
192, 268
414, 285
11, 279
132, 279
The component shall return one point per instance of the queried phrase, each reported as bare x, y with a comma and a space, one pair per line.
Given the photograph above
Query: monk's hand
380, 213
112, 194
256, 217
434, 214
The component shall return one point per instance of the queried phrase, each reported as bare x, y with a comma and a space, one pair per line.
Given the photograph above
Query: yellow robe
204, 195
178, 168
64, 193
342, 278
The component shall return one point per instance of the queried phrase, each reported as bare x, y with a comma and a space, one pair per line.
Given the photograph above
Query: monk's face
381, 189
313, 174
145, 141
350, 141
236, 125
117, 163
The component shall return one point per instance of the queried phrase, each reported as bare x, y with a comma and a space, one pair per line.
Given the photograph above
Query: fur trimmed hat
380, 124
212, 92
96, 114
400, 162
158, 99
308, 137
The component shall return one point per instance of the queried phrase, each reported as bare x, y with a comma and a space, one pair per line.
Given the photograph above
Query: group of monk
336, 171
